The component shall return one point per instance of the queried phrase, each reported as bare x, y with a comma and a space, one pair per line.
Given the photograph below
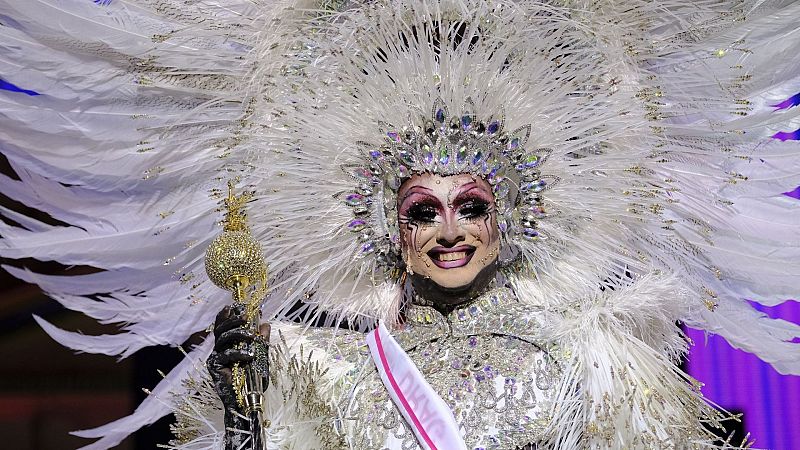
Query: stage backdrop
739, 381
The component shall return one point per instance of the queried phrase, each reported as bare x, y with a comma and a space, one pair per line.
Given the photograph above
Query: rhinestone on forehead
445, 145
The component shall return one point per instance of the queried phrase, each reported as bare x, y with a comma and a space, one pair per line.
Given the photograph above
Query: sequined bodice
485, 361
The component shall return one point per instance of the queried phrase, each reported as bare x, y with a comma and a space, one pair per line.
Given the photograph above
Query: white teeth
454, 256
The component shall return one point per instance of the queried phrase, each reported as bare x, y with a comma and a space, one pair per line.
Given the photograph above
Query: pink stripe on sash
399, 393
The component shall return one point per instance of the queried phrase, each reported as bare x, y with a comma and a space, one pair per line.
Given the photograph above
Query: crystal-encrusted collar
495, 312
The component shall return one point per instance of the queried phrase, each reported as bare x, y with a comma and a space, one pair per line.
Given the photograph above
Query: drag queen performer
482, 219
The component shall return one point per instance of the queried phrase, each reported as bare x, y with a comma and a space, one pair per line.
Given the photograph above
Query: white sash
429, 416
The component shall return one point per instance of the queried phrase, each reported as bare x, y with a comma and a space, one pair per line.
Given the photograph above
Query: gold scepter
234, 261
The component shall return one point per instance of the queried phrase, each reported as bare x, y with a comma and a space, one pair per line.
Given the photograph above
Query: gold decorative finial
235, 262
235, 216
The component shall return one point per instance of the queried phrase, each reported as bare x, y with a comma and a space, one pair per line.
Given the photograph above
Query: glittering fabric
484, 360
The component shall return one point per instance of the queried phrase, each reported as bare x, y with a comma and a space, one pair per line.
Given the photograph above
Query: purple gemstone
493, 127
461, 155
479, 377
536, 210
466, 121
354, 199
369, 247
375, 154
403, 171
528, 186
440, 115
473, 341
393, 136
357, 225
514, 144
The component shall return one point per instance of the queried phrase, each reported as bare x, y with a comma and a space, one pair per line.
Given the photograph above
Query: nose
450, 232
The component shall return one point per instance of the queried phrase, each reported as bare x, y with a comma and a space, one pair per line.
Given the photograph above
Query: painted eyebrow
413, 190
428, 198
465, 194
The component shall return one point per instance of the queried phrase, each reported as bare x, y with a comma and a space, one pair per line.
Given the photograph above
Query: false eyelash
422, 212
474, 208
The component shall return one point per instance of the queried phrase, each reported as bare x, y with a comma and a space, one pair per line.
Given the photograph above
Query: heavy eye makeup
474, 208
420, 210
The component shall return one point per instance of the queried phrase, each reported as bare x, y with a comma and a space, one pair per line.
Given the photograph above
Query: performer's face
448, 226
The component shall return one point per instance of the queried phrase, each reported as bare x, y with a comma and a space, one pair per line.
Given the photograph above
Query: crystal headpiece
445, 145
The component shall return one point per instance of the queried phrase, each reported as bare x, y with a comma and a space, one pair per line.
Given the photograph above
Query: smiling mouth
449, 258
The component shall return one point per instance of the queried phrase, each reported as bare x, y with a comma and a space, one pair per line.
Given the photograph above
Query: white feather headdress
124, 120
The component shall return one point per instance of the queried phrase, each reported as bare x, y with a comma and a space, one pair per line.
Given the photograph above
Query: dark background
47, 390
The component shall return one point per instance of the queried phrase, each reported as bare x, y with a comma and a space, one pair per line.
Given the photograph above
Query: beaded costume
641, 154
